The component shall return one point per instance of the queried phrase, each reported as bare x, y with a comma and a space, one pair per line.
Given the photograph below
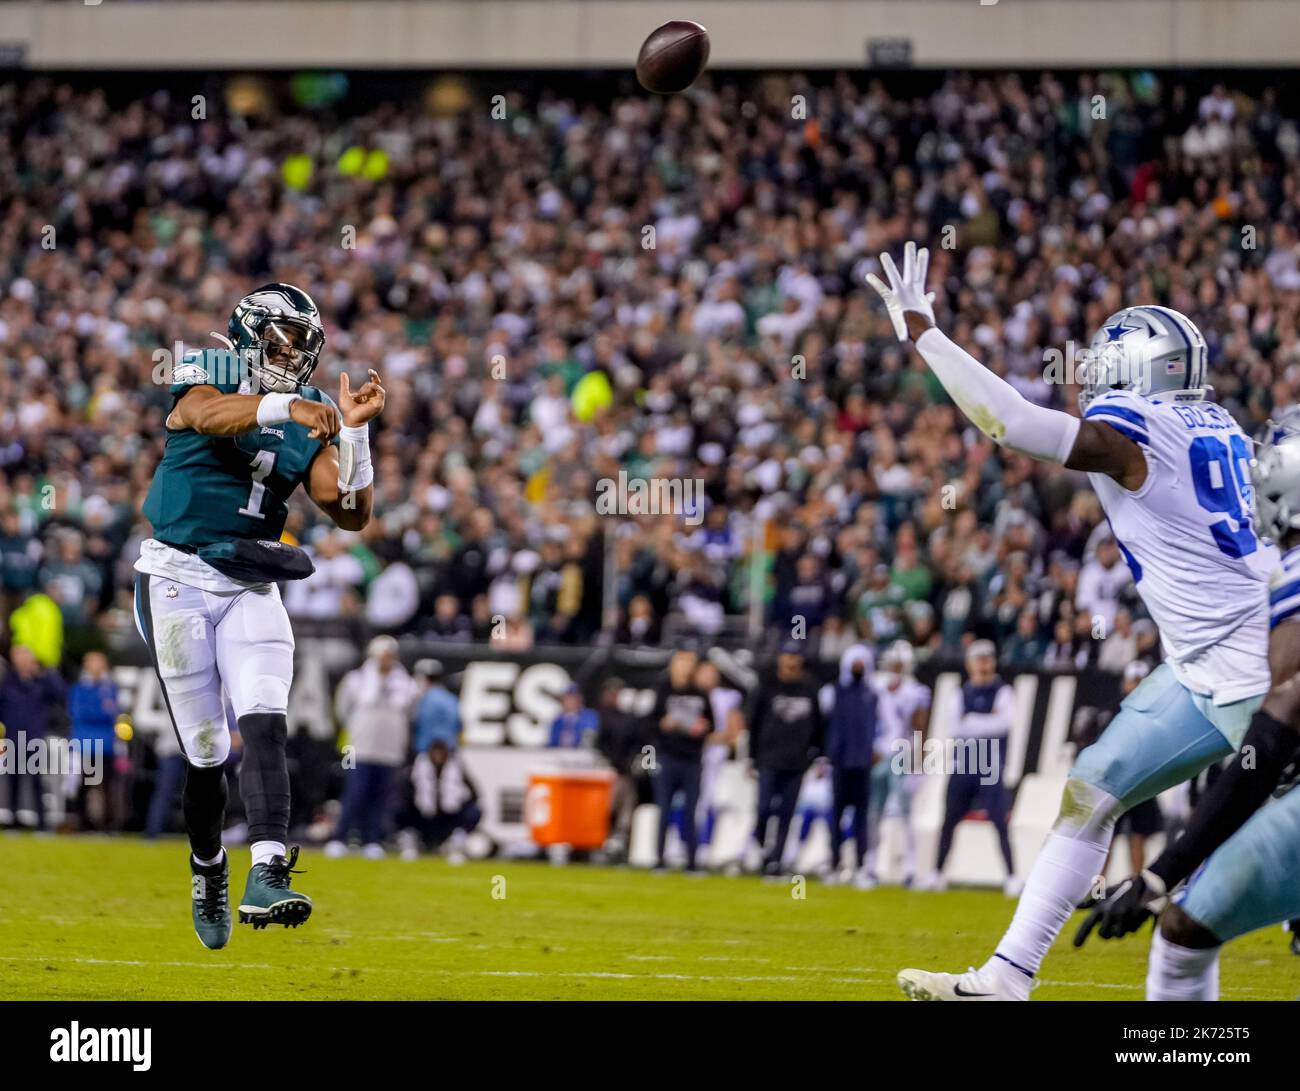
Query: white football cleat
982, 984
334, 850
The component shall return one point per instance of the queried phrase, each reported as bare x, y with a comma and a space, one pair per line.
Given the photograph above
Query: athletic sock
1014, 980
1062, 875
264, 851
204, 806
1181, 973
212, 862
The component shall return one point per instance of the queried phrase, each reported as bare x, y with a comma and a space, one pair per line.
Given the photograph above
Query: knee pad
1087, 811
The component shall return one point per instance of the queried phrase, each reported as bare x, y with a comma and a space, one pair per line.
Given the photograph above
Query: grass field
88, 918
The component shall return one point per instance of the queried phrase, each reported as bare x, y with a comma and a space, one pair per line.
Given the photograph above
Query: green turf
99, 918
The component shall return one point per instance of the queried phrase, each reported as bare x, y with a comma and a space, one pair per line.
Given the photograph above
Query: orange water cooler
569, 807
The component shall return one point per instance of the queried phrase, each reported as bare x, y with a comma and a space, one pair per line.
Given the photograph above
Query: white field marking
875, 971
619, 976
870, 975
398, 937
55, 959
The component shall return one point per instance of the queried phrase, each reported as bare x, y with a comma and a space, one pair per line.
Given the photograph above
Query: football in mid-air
673, 57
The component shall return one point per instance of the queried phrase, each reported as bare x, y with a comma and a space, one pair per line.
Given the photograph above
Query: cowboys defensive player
245, 430
1172, 473
1253, 880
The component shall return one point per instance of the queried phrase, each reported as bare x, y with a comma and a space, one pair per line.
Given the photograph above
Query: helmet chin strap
281, 384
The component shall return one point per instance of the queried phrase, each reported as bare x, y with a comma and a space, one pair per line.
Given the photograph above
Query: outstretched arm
995, 407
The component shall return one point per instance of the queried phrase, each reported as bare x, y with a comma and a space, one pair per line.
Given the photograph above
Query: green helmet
277, 331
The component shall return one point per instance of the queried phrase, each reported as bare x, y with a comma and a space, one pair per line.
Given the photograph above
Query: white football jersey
896, 709
1186, 535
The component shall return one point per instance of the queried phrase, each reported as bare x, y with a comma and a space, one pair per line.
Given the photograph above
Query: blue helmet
1150, 351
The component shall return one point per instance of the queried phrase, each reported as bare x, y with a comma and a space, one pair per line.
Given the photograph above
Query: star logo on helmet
1119, 329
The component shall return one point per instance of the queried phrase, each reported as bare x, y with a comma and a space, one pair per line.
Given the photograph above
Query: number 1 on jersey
263, 464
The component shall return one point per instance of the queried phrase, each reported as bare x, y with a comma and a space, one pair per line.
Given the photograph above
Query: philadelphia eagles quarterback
244, 431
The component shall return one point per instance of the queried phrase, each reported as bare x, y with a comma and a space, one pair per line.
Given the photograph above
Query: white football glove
906, 292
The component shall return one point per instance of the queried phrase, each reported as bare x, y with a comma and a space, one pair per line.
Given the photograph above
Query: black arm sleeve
1267, 748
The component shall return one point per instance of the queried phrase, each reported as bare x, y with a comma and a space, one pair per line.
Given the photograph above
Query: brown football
673, 57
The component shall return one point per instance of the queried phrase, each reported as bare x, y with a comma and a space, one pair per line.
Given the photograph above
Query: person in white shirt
374, 704
904, 712
444, 807
1119, 649
729, 723
331, 591
1101, 581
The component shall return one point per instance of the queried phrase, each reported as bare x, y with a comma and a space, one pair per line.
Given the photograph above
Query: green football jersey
211, 488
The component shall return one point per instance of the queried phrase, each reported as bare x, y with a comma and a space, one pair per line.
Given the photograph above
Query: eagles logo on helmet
278, 334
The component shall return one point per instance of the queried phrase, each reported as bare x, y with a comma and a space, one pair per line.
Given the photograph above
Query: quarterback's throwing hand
365, 404
906, 292
322, 419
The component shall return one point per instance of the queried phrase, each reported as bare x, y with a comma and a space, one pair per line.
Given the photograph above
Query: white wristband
355, 471
274, 408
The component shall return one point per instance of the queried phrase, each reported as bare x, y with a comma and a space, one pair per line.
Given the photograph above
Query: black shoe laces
279, 869
215, 898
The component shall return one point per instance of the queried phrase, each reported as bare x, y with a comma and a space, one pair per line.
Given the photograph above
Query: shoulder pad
210, 366
191, 371
1124, 411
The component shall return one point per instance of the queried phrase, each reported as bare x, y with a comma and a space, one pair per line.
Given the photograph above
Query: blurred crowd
671, 288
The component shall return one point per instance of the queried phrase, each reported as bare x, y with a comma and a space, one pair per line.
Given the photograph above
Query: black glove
1124, 909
